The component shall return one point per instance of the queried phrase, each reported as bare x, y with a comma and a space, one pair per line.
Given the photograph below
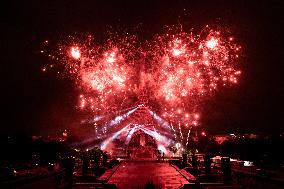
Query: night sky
33, 102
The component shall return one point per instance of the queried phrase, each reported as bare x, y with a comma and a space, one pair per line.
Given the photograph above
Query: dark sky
35, 103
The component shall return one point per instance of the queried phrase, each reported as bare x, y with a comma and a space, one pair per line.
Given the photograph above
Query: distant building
221, 138
251, 136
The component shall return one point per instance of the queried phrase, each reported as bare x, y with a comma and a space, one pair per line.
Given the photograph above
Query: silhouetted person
226, 169
207, 164
68, 167
104, 159
184, 160
85, 165
194, 165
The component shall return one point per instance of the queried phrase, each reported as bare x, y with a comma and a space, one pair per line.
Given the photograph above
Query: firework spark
75, 52
176, 70
191, 67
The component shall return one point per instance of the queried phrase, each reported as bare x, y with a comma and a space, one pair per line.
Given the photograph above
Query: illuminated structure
140, 139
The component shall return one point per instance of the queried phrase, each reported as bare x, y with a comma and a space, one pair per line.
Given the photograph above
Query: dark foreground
139, 174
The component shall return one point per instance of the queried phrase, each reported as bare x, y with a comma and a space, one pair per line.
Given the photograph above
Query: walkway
137, 174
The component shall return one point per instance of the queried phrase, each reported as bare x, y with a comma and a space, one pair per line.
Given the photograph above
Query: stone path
108, 174
137, 174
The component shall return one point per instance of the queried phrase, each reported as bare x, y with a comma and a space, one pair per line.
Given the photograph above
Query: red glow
212, 43
75, 52
196, 116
